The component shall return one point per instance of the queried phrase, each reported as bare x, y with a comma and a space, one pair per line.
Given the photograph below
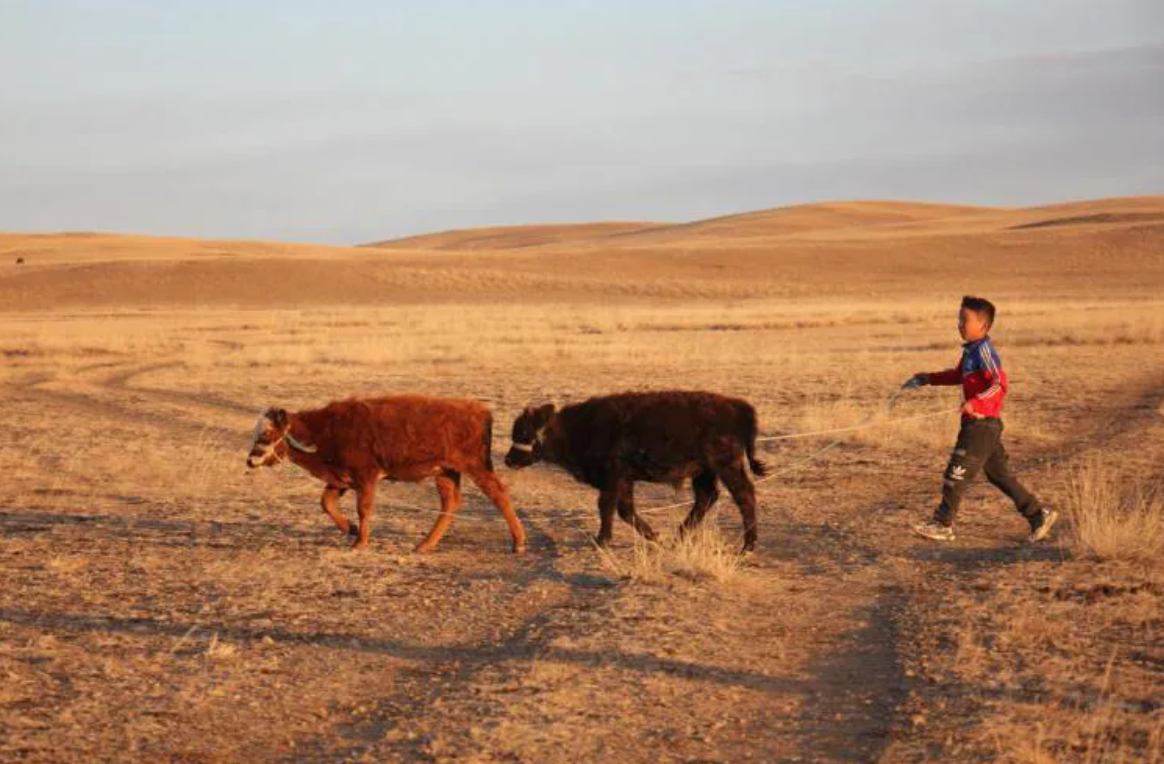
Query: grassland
163, 604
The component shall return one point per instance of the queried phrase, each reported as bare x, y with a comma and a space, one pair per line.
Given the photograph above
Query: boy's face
972, 325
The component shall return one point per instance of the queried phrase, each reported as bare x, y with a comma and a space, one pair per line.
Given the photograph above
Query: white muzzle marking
266, 450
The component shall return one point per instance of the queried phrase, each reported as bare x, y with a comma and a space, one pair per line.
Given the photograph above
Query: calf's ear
543, 414
279, 418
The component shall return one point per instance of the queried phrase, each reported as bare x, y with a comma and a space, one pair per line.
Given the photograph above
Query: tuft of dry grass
1113, 515
704, 554
218, 649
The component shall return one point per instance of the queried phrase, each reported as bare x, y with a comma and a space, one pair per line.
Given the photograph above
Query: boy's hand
968, 410
917, 380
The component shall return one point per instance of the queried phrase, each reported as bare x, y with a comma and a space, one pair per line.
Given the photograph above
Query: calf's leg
449, 487
703, 485
607, 502
744, 495
626, 510
365, 503
328, 501
492, 487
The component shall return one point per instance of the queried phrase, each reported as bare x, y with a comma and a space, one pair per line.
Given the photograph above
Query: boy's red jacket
981, 376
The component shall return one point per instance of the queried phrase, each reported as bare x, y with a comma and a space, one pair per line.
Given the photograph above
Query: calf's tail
759, 469
488, 444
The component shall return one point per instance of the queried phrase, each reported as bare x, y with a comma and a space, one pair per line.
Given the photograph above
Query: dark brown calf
660, 437
353, 444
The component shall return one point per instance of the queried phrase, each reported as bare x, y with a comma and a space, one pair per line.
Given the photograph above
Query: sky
357, 120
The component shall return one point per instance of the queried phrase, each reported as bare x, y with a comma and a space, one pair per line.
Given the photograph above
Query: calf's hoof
359, 546
424, 548
519, 547
602, 542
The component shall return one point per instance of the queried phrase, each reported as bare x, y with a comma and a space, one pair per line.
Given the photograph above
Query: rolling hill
861, 249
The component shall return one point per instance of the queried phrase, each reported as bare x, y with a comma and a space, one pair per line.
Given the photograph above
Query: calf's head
273, 439
528, 430
268, 445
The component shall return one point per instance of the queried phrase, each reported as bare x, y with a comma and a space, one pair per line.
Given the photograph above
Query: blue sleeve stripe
988, 361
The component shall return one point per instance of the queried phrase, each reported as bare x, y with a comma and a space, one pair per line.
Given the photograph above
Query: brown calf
352, 444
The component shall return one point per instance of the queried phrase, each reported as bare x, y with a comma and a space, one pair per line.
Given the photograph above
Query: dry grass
927, 419
1091, 731
1114, 515
704, 555
1057, 675
218, 649
1131, 325
707, 337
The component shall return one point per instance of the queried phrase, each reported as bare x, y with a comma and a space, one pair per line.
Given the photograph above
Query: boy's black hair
981, 306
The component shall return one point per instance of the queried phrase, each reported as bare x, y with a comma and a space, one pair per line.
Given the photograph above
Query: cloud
350, 166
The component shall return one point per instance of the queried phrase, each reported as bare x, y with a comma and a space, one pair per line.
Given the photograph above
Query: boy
979, 446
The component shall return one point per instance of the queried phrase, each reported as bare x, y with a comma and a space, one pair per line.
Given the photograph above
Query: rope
868, 423
864, 425
786, 471
853, 428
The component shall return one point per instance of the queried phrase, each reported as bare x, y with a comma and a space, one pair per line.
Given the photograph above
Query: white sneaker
1040, 531
934, 530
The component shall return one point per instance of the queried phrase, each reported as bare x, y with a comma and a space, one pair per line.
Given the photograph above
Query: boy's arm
948, 377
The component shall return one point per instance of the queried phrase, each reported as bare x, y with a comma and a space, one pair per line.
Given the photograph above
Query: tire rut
415, 695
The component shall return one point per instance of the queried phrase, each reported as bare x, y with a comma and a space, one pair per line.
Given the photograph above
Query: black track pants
979, 448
